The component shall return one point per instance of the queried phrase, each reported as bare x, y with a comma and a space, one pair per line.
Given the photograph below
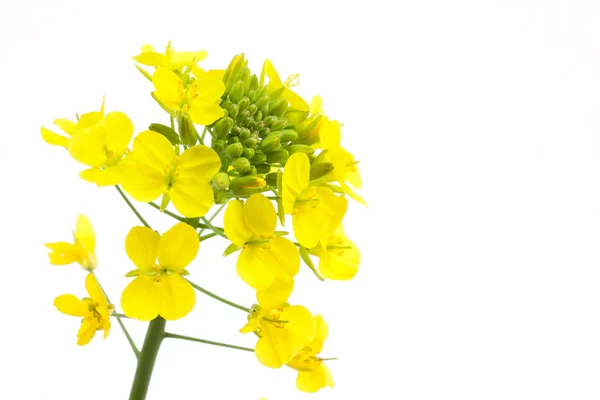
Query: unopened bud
247, 185
243, 104
259, 158
277, 156
220, 195
271, 179
219, 146
320, 169
221, 180
167, 132
222, 127
252, 141
258, 116
234, 111
263, 168
288, 135
234, 150
269, 143
278, 107
187, 130
308, 125
278, 124
252, 94
248, 152
241, 164
237, 91
300, 148
252, 110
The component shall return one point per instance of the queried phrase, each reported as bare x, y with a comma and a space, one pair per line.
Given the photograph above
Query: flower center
171, 171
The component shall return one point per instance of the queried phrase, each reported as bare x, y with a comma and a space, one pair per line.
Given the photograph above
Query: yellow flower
98, 141
345, 167
264, 257
80, 251
200, 99
170, 59
299, 107
282, 329
338, 257
313, 374
94, 310
154, 169
315, 210
159, 288
71, 127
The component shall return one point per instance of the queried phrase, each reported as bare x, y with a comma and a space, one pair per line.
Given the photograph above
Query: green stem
205, 237
210, 226
119, 315
203, 134
169, 213
222, 300
192, 339
132, 207
214, 215
143, 372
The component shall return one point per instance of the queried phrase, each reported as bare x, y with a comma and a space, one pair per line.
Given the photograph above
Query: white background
477, 127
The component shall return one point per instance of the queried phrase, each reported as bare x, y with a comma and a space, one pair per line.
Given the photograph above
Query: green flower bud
269, 143
278, 125
252, 94
300, 148
269, 120
226, 113
225, 104
252, 110
288, 135
243, 115
264, 132
220, 195
263, 168
187, 130
253, 84
261, 92
276, 134
312, 158
308, 125
234, 139
237, 91
167, 132
277, 156
234, 150
222, 127
247, 185
258, 125
235, 65
320, 169
241, 164
271, 178
278, 107
253, 170
259, 158
248, 153
258, 116
290, 126
234, 111
245, 77
219, 146
221, 180
264, 109
252, 141
262, 101
243, 104
245, 134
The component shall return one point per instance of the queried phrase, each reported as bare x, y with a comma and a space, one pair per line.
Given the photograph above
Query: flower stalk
147, 358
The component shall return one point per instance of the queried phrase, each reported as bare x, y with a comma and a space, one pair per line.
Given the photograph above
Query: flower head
345, 167
80, 251
264, 257
98, 141
199, 99
282, 329
159, 288
313, 374
155, 169
170, 58
94, 310
338, 257
315, 210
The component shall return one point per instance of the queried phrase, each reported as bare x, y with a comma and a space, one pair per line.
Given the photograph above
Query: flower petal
71, 305
205, 113
275, 295
187, 58
84, 233
118, 131
142, 182
313, 381
64, 253
235, 225
66, 125
86, 331
301, 324
322, 331
94, 290
89, 147
199, 162
169, 87
192, 197
141, 245
153, 149
260, 215
54, 138
295, 179
177, 297
178, 246
257, 267
275, 348
340, 264
287, 258
141, 299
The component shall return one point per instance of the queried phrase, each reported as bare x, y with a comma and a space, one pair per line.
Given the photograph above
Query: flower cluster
263, 154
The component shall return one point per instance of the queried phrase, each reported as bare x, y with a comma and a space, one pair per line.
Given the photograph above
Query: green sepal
144, 72
232, 248
132, 273
280, 211
167, 132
